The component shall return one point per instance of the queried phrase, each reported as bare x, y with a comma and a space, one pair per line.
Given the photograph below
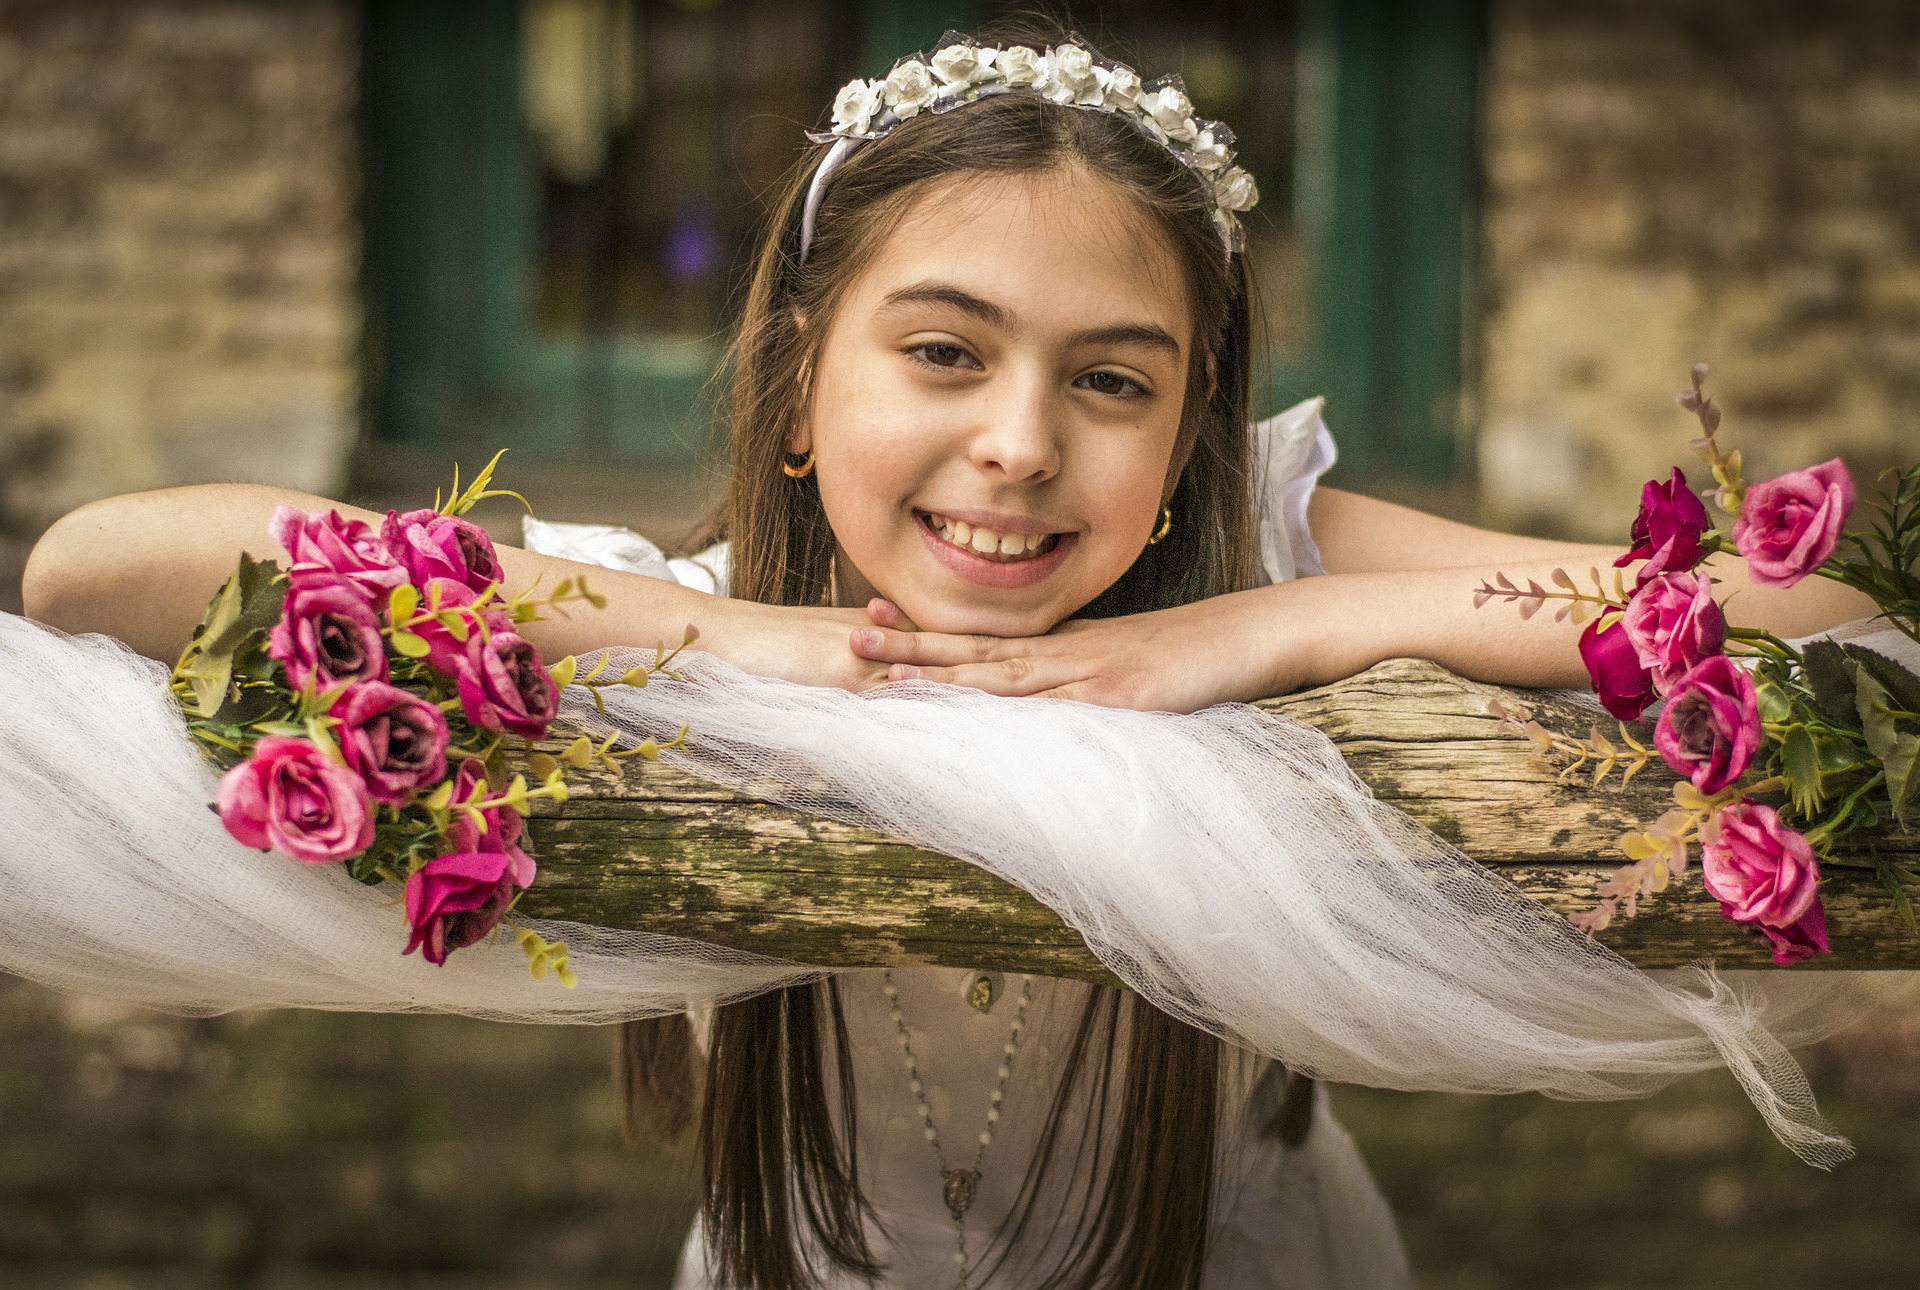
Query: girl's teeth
995, 546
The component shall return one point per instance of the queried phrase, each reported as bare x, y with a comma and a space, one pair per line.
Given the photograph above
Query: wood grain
650, 847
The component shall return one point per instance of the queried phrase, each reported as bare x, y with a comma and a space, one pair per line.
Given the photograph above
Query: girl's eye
1113, 384
940, 355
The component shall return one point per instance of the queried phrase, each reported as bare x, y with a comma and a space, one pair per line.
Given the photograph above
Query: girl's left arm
1399, 583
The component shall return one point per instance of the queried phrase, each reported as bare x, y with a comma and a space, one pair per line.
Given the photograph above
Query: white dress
1298, 1218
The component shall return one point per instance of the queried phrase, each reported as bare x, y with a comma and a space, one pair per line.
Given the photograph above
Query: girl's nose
1020, 438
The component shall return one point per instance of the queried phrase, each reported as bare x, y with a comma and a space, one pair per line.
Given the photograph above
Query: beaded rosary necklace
958, 1187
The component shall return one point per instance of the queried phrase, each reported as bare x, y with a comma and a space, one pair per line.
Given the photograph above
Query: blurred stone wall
1673, 181
178, 250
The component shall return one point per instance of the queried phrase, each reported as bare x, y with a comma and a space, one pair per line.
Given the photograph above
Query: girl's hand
805, 645
1171, 660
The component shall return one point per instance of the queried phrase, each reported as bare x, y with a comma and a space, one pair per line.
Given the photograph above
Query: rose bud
454, 900
1710, 728
504, 687
1789, 526
1624, 685
1667, 532
1759, 870
1673, 622
444, 650
395, 741
328, 634
431, 545
326, 543
292, 797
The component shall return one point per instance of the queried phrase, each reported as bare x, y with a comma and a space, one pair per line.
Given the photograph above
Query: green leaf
1902, 686
1776, 705
1891, 878
1894, 742
410, 645
1827, 676
401, 602
1800, 763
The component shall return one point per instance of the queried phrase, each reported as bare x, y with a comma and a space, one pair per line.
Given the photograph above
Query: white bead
960, 1257
993, 1116
914, 1084
986, 1139
999, 1095
1005, 1071
1008, 1047
928, 1133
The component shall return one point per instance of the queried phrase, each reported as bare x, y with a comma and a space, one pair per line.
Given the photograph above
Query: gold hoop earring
1166, 523
798, 465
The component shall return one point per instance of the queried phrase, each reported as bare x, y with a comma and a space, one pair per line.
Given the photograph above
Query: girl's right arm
143, 566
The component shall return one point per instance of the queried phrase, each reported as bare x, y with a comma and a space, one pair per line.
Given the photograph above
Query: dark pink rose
328, 633
1673, 622
432, 545
1710, 728
1624, 685
326, 543
444, 650
457, 898
1801, 939
395, 741
504, 687
292, 797
454, 900
1788, 526
1667, 532
1759, 870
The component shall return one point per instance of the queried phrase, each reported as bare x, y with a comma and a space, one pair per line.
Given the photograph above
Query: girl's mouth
991, 558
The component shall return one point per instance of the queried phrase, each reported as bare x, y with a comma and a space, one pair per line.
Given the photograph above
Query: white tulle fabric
1226, 865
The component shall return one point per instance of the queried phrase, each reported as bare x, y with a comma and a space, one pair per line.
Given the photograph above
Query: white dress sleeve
613, 547
1290, 453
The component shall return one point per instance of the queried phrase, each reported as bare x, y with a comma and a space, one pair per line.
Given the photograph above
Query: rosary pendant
956, 1189
982, 988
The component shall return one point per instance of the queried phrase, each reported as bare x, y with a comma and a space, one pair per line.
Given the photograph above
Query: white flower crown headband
962, 72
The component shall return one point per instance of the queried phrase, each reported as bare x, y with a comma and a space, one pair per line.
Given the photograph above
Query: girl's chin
934, 613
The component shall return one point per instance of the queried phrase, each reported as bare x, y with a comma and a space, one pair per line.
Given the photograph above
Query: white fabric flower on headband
1072, 74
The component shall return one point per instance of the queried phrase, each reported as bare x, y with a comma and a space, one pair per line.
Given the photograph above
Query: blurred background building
336, 245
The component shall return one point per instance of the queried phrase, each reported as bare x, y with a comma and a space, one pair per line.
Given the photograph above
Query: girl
989, 426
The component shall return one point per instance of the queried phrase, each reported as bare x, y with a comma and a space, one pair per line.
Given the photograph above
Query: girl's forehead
1062, 241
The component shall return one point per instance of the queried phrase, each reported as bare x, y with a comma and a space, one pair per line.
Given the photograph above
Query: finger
885, 613
930, 649
1015, 676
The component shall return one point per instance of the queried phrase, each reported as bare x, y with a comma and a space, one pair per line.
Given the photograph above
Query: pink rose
454, 900
1759, 870
504, 687
1673, 622
328, 634
1624, 685
431, 545
1667, 532
326, 543
1788, 526
457, 898
395, 741
499, 827
444, 651
290, 796
1710, 728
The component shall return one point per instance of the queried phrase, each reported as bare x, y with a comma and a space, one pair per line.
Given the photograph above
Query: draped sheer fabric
1225, 864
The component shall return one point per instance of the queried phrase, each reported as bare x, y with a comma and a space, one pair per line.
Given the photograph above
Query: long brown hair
1142, 1087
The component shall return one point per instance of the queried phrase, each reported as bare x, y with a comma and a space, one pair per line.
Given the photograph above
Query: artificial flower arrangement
1782, 750
375, 707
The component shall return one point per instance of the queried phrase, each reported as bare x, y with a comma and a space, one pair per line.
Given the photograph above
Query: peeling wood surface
654, 848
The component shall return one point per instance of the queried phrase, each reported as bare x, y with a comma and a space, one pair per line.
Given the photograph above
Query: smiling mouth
1001, 548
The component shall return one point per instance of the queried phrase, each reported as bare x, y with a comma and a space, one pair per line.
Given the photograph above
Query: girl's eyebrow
943, 293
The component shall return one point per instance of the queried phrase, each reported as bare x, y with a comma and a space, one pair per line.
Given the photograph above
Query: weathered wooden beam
653, 848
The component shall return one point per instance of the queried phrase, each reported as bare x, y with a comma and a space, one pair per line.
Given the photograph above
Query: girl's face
997, 400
